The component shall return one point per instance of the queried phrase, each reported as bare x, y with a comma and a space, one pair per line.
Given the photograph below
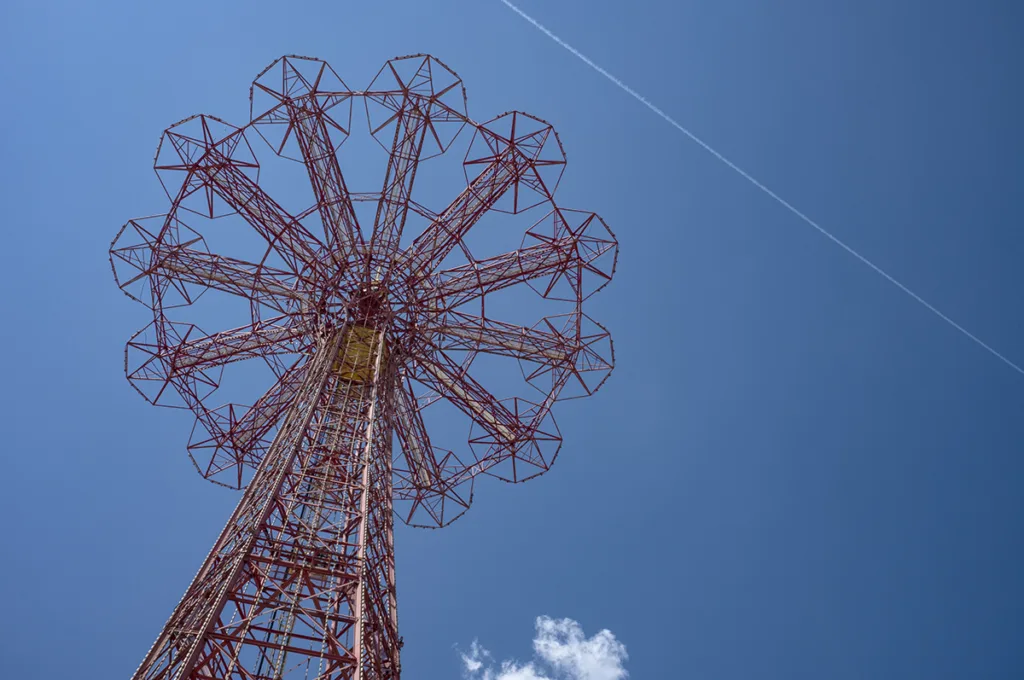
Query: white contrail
643, 100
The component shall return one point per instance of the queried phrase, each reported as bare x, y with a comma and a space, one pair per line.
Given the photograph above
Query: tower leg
300, 583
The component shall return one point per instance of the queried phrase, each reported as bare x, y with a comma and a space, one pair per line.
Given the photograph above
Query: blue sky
795, 472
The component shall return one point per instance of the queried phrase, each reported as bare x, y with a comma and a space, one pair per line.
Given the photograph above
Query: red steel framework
362, 337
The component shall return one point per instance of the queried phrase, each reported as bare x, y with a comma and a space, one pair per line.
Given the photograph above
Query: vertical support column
291, 588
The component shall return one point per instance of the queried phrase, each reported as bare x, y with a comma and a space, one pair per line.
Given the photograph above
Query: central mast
301, 582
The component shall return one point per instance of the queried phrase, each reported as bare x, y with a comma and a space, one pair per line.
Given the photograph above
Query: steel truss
363, 333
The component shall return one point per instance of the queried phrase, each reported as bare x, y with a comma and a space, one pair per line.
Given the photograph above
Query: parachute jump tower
364, 333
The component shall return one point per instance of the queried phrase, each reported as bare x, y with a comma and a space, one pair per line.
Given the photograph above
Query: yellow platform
357, 356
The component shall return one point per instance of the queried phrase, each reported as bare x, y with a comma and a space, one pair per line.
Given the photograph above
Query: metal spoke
272, 287
258, 339
444, 234
467, 332
444, 376
412, 434
234, 442
393, 207
459, 285
333, 199
292, 241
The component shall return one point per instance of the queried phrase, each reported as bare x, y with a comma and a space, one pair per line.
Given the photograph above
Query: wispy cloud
561, 652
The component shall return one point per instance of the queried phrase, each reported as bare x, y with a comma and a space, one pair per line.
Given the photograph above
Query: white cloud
561, 652
474, 661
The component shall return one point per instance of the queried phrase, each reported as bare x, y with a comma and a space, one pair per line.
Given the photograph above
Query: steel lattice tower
362, 336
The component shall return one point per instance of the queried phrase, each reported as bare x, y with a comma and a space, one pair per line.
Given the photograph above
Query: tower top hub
369, 306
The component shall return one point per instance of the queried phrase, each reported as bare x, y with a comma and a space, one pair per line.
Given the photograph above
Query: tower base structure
301, 581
